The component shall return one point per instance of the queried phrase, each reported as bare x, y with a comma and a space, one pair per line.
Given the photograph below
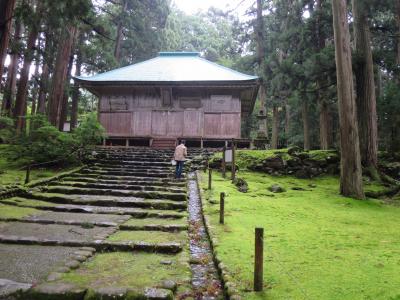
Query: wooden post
223, 165
209, 178
233, 167
258, 259
28, 173
221, 208
127, 143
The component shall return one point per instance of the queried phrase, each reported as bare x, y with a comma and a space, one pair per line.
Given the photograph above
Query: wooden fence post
28, 173
233, 167
209, 178
222, 208
223, 163
258, 259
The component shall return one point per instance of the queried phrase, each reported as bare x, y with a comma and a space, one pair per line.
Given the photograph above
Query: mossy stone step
120, 186
77, 218
100, 200
135, 270
152, 237
104, 162
128, 173
134, 212
60, 189
126, 179
21, 233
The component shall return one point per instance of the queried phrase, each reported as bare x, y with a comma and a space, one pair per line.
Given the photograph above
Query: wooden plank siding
143, 113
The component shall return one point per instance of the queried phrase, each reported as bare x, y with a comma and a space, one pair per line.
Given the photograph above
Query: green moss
22, 202
318, 244
133, 270
155, 221
155, 237
14, 212
322, 154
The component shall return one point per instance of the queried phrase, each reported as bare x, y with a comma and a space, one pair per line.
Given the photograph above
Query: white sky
193, 6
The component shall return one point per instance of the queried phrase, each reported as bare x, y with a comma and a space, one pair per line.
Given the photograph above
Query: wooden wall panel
221, 103
117, 123
212, 125
141, 123
193, 123
175, 123
159, 123
230, 125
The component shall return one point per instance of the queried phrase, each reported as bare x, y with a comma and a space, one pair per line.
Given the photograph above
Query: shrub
45, 143
7, 130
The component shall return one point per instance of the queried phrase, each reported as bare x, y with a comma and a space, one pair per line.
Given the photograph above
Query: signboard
228, 155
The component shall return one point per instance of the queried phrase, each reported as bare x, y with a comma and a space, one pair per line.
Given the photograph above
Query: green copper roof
172, 67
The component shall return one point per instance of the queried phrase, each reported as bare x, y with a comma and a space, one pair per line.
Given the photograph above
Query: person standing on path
180, 156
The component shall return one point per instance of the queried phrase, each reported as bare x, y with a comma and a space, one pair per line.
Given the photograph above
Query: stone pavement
117, 229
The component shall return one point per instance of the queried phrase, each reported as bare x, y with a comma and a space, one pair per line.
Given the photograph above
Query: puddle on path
205, 280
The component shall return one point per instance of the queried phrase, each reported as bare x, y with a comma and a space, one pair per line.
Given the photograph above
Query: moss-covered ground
13, 173
133, 270
14, 212
153, 237
155, 221
318, 244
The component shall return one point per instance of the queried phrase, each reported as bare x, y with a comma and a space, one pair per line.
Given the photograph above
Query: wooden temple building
176, 95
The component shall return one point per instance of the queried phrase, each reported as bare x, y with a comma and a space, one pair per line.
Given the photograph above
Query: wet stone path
205, 279
119, 228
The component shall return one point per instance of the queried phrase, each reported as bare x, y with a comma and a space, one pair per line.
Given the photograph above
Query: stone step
98, 200
129, 178
103, 162
71, 208
120, 186
154, 227
60, 189
152, 182
128, 173
102, 246
131, 168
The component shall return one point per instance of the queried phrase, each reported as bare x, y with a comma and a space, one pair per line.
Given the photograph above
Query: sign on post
228, 155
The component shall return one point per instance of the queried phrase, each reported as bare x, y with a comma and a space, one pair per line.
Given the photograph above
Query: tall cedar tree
6, 13
262, 95
11, 83
55, 104
365, 87
350, 159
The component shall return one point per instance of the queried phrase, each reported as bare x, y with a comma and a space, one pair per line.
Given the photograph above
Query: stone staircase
125, 200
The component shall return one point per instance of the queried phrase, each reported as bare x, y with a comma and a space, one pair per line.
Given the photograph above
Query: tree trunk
397, 17
365, 87
118, 40
44, 77
6, 13
60, 75
64, 110
287, 123
350, 159
75, 92
20, 101
275, 127
306, 128
11, 83
35, 83
262, 95
323, 125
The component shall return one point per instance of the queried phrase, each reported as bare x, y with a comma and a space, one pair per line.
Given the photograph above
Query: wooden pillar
259, 259
233, 167
222, 208
201, 144
223, 164
209, 178
127, 143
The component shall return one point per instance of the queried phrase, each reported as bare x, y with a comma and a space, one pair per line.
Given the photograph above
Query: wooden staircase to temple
163, 143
